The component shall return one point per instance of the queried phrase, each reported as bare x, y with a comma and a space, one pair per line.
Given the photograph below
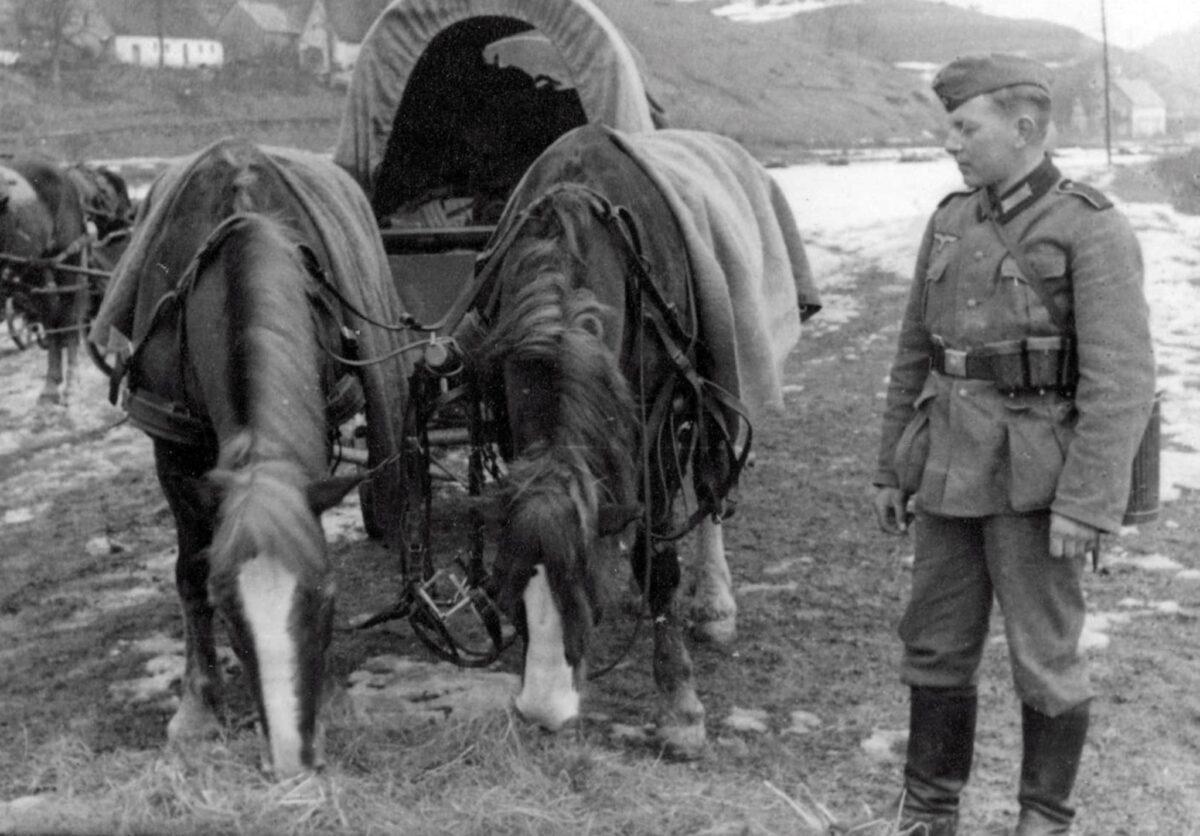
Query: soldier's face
984, 141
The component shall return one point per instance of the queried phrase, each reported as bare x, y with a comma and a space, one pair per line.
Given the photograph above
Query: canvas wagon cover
603, 68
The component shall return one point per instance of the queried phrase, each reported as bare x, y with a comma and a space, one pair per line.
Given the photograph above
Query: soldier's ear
1027, 130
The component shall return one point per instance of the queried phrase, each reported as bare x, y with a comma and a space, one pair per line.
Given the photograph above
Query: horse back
588, 156
59, 198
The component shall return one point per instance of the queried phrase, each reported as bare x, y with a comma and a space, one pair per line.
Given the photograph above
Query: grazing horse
234, 372
42, 218
599, 363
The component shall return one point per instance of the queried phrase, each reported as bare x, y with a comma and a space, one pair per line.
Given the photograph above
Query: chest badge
941, 240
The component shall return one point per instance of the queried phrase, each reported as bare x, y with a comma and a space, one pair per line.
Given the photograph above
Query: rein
708, 398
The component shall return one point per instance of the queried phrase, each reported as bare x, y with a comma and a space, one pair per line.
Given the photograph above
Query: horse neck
273, 377
554, 346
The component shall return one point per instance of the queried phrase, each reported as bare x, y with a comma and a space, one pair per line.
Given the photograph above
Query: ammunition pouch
1033, 364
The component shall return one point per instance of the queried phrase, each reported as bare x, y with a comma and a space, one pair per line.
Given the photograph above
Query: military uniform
1003, 407
971, 451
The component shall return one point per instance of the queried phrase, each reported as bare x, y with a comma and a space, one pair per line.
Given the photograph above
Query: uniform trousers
960, 565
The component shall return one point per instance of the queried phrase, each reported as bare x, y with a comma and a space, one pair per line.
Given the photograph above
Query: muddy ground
89, 631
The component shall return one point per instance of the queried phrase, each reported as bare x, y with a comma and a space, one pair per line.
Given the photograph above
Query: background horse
232, 373
602, 354
42, 216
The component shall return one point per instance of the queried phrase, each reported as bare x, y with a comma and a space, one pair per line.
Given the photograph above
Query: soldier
1022, 383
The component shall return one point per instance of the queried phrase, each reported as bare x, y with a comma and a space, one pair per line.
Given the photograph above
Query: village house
253, 30
1138, 111
146, 35
331, 34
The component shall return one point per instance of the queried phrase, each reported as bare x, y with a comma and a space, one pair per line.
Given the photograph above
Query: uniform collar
1022, 195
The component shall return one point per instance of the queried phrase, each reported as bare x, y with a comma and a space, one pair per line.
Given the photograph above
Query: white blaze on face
266, 590
548, 696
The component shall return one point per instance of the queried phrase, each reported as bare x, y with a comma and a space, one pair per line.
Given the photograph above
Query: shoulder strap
1060, 317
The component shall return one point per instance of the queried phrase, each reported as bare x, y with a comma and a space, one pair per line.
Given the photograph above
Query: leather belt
1033, 364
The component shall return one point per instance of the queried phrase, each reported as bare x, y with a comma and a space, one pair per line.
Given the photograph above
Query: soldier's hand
1070, 538
891, 510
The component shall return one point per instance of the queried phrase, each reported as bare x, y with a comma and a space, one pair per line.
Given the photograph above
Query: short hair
1025, 97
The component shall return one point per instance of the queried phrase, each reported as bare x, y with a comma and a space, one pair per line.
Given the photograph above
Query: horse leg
680, 717
196, 716
72, 338
713, 610
54, 370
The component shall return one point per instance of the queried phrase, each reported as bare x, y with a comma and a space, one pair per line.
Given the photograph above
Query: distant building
926, 70
149, 35
253, 29
1137, 109
330, 36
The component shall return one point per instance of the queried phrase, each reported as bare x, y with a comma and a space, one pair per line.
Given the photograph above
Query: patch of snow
14, 516
886, 745
1188, 575
1146, 562
803, 722
755, 588
747, 720
161, 673
786, 566
344, 521
767, 11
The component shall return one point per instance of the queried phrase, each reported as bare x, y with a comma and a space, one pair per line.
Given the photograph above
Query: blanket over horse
353, 261
706, 207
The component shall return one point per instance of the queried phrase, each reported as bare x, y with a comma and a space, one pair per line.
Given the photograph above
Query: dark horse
232, 375
47, 216
588, 370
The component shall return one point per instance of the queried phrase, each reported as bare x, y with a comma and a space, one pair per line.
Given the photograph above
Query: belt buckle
955, 362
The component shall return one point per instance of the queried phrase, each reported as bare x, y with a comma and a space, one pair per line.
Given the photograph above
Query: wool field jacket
967, 449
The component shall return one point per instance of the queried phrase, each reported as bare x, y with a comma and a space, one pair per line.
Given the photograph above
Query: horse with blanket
232, 300
60, 232
640, 296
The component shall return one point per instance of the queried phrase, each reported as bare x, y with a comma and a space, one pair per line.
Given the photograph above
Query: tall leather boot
941, 742
1053, 746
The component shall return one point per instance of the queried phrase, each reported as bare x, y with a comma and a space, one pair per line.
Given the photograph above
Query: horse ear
612, 519
323, 494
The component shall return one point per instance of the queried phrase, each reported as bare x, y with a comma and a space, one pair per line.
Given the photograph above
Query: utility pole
1107, 98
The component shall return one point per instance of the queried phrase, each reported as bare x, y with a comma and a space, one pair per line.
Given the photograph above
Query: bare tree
51, 25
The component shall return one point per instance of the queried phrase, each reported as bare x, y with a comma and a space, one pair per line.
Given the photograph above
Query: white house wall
177, 52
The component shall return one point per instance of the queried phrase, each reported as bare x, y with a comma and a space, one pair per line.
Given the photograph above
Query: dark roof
141, 17
351, 19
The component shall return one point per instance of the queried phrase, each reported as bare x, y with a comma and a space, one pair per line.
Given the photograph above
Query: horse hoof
720, 631
193, 724
50, 397
683, 742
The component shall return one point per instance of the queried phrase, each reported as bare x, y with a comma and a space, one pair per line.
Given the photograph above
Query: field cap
971, 75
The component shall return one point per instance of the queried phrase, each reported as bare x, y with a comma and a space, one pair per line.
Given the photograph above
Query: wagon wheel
21, 329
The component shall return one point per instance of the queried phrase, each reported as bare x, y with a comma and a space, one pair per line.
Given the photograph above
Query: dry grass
490, 776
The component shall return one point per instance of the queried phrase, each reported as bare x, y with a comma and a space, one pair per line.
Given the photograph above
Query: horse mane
264, 510
553, 323
275, 387
274, 344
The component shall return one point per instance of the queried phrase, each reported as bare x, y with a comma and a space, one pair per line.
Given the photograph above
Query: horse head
572, 418
273, 586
